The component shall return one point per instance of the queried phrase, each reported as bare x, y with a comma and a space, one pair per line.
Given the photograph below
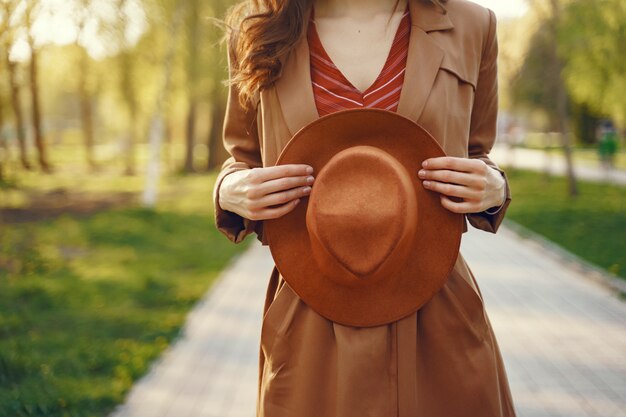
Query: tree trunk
193, 26
127, 89
131, 140
155, 140
562, 101
36, 109
86, 114
168, 157
4, 149
17, 113
190, 137
565, 140
217, 153
128, 92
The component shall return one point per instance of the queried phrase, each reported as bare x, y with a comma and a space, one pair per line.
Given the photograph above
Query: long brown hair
260, 32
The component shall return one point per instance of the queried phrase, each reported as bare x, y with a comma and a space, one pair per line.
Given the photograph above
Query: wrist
220, 200
222, 192
501, 192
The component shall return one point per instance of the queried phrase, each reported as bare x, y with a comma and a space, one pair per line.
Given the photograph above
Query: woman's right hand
265, 193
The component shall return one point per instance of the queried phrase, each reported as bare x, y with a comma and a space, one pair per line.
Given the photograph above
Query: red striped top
333, 91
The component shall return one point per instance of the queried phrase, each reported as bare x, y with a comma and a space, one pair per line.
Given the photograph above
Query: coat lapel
294, 88
295, 91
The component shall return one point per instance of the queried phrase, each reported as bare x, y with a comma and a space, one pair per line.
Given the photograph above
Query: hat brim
436, 244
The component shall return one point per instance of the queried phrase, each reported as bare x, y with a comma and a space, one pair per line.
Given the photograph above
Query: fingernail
421, 173
306, 189
309, 170
426, 183
296, 201
425, 164
309, 180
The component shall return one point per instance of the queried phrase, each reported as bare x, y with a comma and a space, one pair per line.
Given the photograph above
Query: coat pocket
460, 92
275, 318
454, 98
459, 67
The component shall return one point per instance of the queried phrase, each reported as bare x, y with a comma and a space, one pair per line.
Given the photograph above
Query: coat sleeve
240, 139
483, 127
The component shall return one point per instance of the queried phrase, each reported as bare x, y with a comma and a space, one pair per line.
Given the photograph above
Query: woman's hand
253, 193
478, 185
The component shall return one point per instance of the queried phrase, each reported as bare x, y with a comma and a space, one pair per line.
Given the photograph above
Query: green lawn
87, 303
593, 225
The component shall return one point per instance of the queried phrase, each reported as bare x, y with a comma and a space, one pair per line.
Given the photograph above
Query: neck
356, 8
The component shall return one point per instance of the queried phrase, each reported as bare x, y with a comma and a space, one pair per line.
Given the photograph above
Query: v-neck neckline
345, 79
295, 92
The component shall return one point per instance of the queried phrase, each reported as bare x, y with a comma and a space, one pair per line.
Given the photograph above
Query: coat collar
295, 91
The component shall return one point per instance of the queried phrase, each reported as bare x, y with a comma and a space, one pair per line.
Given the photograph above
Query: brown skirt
441, 361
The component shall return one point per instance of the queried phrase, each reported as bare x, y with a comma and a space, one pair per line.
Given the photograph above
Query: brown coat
443, 360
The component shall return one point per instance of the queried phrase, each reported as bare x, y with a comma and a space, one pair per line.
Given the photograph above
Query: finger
280, 184
273, 213
455, 177
453, 163
280, 197
459, 206
260, 175
451, 189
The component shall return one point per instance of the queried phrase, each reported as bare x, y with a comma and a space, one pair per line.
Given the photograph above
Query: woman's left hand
478, 185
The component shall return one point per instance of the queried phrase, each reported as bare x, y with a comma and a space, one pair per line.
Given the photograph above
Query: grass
592, 225
87, 303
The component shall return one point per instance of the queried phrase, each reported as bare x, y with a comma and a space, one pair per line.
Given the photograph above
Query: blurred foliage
591, 226
589, 37
105, 84
534, 86
592, 39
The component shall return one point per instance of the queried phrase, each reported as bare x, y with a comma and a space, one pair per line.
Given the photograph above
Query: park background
110, 140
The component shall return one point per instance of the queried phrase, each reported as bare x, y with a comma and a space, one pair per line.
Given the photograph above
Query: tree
156, 125
592, 37
533, 87
83, 13
7, 34
3, 145
217, 153
127, 86
539, 82
561, 98
29, 17
193, 66
218, 94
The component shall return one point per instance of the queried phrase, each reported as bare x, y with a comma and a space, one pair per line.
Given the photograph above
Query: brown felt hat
370, 244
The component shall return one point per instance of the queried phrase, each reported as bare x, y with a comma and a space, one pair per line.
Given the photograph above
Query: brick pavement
563, 338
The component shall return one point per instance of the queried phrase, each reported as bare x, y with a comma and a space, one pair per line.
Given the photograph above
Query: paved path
563, 338
554, 163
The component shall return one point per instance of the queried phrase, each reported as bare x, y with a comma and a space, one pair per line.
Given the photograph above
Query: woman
297, 60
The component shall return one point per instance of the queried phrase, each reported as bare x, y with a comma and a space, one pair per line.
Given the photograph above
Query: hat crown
354, 211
